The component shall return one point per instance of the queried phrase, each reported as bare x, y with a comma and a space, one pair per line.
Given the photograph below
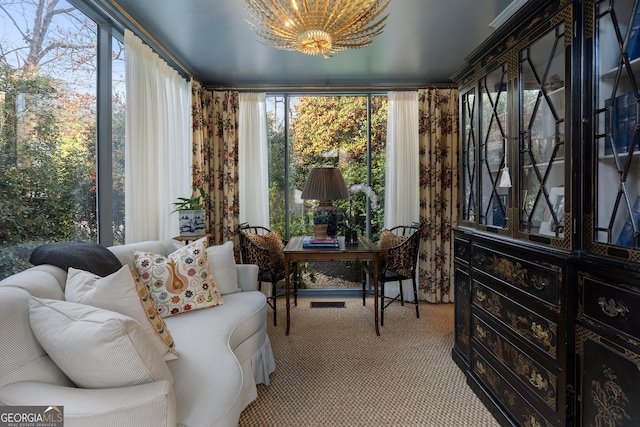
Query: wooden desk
365, 250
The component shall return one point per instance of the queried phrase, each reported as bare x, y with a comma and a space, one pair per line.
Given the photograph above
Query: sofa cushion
122, 292
220, 331
87, 256
222, 265
124, 253
96, 348
180, 281
22, 358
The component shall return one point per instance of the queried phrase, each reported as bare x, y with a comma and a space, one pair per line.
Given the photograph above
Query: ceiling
424, 43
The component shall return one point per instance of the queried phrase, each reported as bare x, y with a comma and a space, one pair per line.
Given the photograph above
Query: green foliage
329, 131
196, 202
117, 168
306, 272
48, 132
275, 135
47, 159
15, 258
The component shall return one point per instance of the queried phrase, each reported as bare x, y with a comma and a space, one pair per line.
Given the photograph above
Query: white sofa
223, 352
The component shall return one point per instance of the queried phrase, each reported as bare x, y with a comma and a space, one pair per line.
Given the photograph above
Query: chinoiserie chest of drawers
512, 322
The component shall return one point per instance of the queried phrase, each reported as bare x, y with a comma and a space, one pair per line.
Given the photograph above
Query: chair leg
381, 303
295, 284
364, 292
401, 293
275, 300
415, 296
363, 280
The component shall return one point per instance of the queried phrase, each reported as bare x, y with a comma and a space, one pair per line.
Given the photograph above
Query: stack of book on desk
311, 243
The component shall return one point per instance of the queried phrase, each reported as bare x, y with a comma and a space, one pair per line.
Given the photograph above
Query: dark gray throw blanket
86, 256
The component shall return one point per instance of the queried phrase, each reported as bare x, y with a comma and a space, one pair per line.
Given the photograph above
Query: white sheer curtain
253, 160
402, 177
402, 186
157, 141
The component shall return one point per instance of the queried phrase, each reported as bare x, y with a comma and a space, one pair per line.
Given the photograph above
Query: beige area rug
332, 370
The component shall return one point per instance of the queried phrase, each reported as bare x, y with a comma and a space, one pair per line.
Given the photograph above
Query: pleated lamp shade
325, 184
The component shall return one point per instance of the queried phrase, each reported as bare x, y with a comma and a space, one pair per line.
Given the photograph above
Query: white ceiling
424, 42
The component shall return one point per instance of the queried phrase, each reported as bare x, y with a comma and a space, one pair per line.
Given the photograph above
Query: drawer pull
480, 368
539, 332
539, 282
481, 296
611, 309
479, 259
538, 382
462, 250
480, 332
533, 421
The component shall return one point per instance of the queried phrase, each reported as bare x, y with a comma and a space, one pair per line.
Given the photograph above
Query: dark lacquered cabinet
607, 334
608, 344
514, 262
547, 251
462, 292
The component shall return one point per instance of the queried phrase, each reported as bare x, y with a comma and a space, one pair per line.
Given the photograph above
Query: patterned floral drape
439, 198
215, 157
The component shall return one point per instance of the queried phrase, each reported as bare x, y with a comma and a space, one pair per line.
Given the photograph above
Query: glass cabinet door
493, 192
616, 140
542, 134
468, 156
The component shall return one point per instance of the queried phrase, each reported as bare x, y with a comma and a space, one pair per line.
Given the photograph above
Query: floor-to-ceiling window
347, 131
61, 127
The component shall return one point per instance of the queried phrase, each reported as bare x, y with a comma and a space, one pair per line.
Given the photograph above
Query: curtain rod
168, 56
330, 88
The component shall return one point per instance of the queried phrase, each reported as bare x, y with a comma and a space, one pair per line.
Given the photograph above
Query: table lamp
325, 185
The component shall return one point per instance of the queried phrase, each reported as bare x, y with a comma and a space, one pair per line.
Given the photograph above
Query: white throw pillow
222, 264
96, 348
124, 293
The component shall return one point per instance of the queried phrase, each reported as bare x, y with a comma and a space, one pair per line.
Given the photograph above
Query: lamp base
327, 213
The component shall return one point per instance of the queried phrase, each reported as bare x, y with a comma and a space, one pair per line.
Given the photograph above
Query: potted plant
191, 213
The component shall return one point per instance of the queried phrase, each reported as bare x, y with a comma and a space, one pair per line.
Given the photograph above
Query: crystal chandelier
317, 27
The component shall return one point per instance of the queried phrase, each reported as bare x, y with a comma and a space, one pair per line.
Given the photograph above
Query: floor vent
328, 304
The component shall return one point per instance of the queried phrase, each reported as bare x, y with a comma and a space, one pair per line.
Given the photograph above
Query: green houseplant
191, 213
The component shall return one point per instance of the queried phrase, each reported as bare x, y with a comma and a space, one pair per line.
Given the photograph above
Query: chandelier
317, 27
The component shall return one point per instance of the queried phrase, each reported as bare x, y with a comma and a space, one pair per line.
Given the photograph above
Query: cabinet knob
479, 259
611, 309
462, 250
539, 282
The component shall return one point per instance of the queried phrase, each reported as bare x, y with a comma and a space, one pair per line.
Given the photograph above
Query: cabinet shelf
620, 155
611, 74
559, 161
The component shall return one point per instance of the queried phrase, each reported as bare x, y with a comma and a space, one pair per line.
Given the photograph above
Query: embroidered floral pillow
180, 281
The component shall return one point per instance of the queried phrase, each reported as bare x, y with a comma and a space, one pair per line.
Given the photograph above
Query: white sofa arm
145, 405
247, 277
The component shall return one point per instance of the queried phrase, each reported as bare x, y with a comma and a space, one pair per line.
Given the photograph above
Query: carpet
332, 370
